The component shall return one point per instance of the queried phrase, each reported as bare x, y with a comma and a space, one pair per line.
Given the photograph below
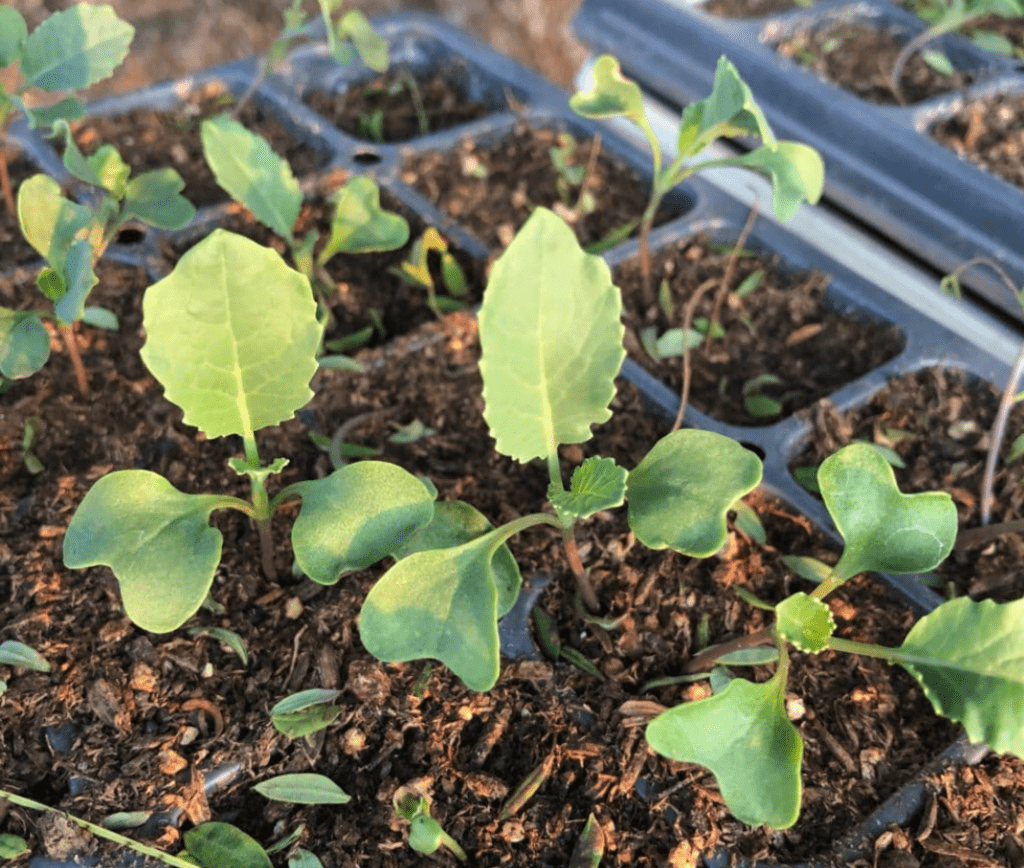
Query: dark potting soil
785, 329
398, 106
939, 421
366, 290
490, 189
990, 133
149, 139
149, 714
748, 8
859, 58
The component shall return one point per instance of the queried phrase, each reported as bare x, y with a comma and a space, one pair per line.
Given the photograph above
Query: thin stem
974, 535
922, 39
67, 333
262, 513
889, 655
579, 572
730, 270
703, 661
453, 845
5, 184
646, 222
688, 312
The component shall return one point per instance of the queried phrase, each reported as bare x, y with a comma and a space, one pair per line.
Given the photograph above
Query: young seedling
416, 270
945, 16
965, 655
795, 169
551, 340
18, 654
254, 175
425, 834
573, 173
71, 238
69, 51
232, 335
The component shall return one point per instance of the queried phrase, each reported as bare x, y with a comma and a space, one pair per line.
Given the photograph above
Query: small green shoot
32, 428
416, 270
14, 653
303, 789
305, 713
425, 834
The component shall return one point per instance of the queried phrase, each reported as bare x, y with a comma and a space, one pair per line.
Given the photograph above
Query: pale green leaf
360, 224
79, 279
598, 483
69, 109
442, 604
760, 656
247, 167
456, 522
359, 514
680, 494
12, 846
48, 220
796, 171
156, 539
13, 653
305, 699
610, 95
221, 845
805, 622
969, 658
551, 341
299, 724
883, 529
808, 568
232, 336
371, 48
24, 343
13, 31
744, 737
155, 199
100, 317
304, 859
75, 48
125, 820
229, 637
303, 789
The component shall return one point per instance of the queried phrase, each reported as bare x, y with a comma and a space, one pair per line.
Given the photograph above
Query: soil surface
989, 133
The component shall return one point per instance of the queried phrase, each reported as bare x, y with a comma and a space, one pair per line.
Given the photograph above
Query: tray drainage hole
366, 158
131, 235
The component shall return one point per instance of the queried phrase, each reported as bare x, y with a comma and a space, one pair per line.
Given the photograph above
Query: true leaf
248, 168
75, 48
681, 492
883, 529
156, 539
360, 224
13, 653
795, 170
439, 603
13, 31
551, 341
24, 343
745, 738
155, 199
303, 789
49, 221
610, 95
221, 845
805, 622
79, 279
69, 109
304, 859
598, 483
232, 335
372, 50
299, 724
359, 514
969, 658
12, 846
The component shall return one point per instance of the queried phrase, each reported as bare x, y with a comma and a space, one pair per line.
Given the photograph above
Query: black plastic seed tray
517, 95
881, 164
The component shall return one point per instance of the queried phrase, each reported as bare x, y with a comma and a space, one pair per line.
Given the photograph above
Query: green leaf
229, 637
24, 343
79, 279
598, 483
796, 171
303, 789
744, 737
125, 820
14, 653
156, 539
232, 336
13, 32
442, 604
75, 48
371, 48
68, 109
681, 492
359, 224
611, 95
305, 699
11, 846
155, 199
589, 847
760, 656
937, 61
884, 530
299, 724
808, 568
967, 656
456, 522
551, 341
221, 845
49, 221
805, 622
304, 859
100, 317
246, 166
359, 514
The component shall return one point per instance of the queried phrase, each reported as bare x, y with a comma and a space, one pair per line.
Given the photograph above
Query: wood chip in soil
149, 139
490, 189
786, 328
939, 420
859, 59
368, 292
990, 133
398, 106
150, 714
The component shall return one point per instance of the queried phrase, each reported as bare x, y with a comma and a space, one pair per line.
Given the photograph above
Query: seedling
18, 654
572, 173
945, 16
305, 713
796, 170
232, 335
425, 834
964, 654
254, 175
72, 237
416, 269
371, 124
69, 51
303, 789
32, 428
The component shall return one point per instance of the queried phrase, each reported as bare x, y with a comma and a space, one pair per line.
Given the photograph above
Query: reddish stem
67, 333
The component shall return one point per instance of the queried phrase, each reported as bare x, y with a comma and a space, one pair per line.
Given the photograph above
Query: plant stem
688, 312
579, 572
922, 39
5, 184
261, 506
703, 661
889, 655
730, 270
67, 333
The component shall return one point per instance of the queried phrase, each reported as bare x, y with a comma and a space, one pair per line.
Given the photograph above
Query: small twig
700, 663
730, 270
691, 306
588, 173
